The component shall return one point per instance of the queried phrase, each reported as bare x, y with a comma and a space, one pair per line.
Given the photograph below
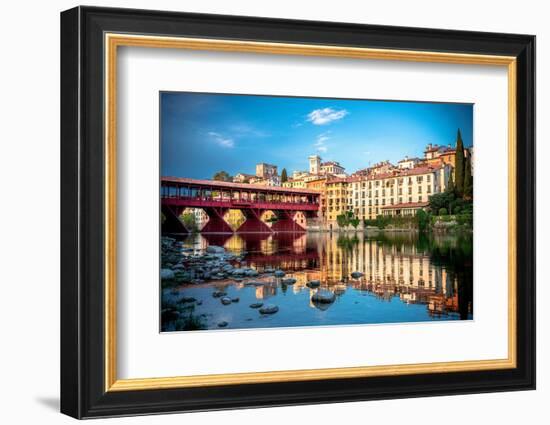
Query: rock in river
213, 249
323, 297
225, 300
187, 300
256, 305
218, 294
235, 300
289, 281
269, 309
252, 273
279, 273
313, 284
222, 324
167, 274
356, 275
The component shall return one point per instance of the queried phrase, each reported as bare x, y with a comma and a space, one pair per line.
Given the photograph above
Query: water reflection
405, 277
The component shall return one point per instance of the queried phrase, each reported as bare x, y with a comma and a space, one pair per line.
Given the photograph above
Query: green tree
222, 176
422, 220
342, 220
450, 184
468, 180
441, 200
284, 176
459, 164
189, 222
354, 221
443, 211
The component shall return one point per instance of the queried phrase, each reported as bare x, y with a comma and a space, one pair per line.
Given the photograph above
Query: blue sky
205, 133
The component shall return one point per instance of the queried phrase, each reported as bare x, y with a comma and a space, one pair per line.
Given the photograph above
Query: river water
406, 278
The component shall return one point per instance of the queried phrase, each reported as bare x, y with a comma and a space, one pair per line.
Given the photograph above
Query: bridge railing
257, 199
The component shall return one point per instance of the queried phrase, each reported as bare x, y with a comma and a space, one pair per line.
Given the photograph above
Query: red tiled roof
406, 205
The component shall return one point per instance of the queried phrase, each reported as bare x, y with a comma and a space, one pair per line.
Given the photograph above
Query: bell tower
314, 164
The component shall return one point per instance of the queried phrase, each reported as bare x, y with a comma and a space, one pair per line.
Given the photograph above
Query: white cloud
326, 116
320, 142
224, 142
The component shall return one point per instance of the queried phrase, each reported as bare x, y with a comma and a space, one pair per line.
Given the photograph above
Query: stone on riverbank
356, 275
213, 249
188, 300
323, 297
313, 284
167, 274
269, 309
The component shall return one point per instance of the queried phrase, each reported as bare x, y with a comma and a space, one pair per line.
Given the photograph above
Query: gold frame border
113, 41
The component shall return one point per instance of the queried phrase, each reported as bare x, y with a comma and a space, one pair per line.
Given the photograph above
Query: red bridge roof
231, 185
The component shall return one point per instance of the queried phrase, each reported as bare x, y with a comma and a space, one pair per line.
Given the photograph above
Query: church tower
314, 164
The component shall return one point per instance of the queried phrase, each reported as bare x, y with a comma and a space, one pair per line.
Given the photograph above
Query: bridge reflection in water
406, 278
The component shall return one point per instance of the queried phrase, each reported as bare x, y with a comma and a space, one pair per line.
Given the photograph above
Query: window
429, 189
410, 190
410, 199
428, 178
419, 189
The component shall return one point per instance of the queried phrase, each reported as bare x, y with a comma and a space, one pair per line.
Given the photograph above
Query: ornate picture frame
90, 41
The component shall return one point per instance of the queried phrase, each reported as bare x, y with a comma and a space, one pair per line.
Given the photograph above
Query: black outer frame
82, 212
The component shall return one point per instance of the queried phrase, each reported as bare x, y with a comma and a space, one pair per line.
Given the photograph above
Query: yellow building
319, 184
337, 200
399, 192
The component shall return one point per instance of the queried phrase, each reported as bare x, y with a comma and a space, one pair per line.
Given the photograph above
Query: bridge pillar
216, 222
172, 223
286, 223
253, 222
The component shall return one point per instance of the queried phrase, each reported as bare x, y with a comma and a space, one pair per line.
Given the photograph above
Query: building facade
400, 192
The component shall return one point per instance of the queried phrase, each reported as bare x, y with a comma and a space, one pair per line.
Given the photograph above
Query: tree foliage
459, 164
468, 180
450, 185
441, 200
422, 220
190, 222
346, 219
284, 176
354, 221
222, 176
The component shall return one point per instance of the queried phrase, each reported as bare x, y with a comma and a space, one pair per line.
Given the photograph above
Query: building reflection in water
435, 271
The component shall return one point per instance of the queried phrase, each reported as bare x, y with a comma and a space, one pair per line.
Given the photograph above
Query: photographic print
296, 211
